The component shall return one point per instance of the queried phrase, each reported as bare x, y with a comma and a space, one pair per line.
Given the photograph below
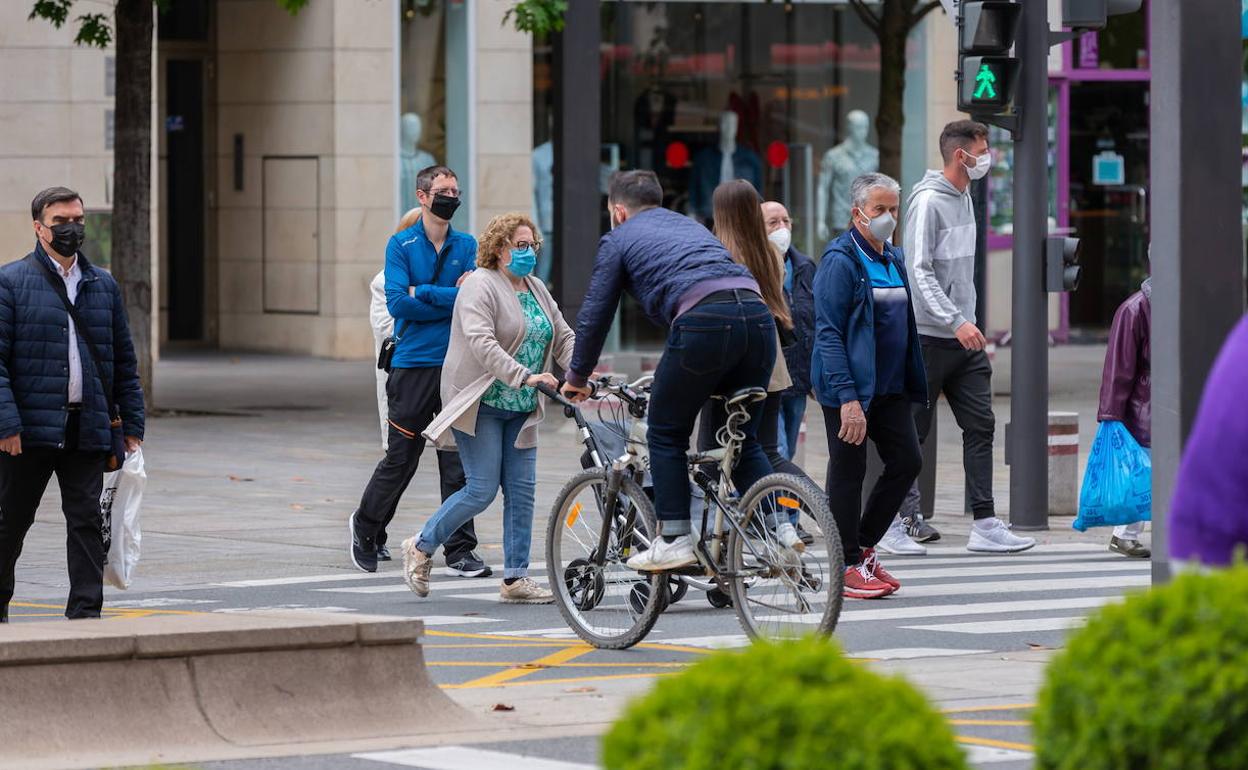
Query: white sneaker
416, 567
662, 555
524, 591
898, 543
995, 537
787, 536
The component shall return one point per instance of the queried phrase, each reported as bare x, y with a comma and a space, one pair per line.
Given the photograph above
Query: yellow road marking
990, 722
524, 669
570, 680
535, 666
978, 709
993, 744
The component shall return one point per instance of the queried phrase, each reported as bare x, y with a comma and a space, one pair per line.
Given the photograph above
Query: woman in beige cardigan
506, 336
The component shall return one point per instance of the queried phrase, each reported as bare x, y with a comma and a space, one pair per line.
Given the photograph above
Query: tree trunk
132, 175
890, 118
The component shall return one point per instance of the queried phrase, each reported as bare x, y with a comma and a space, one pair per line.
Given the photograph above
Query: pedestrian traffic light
1061, 264
1094, 14
987, 72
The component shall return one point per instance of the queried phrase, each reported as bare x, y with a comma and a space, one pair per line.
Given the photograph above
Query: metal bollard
1063, 463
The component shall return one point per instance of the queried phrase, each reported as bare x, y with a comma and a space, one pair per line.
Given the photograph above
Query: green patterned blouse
531, 355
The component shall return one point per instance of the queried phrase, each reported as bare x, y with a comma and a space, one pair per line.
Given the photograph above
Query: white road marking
1022, 586
138, 604
722, 642
1005, 626
974, 608
1018, 568
487, 586
1026, 557
453, 620
459, 757
987, 755
909, 653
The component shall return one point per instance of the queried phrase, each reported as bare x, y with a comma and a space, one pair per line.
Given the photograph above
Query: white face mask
782, 238
881, 227
982, 164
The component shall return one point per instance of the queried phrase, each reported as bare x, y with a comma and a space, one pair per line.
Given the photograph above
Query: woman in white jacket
383, 326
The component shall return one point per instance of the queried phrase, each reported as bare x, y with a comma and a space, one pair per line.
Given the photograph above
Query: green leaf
93, 30
55, 11
537, 17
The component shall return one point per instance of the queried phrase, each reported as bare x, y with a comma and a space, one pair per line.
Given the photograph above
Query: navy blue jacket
843, 365
802, 306
34, 357
656, 255
423, 321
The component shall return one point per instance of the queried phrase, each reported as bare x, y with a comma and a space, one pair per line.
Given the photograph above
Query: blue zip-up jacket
34, 357
423, 316
801, 298
656, 256
843, 364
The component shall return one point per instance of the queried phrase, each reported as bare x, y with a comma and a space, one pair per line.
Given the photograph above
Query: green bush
792, 706
1158, 682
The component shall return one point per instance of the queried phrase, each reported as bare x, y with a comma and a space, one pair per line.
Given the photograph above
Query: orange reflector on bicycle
789, 502
573, 514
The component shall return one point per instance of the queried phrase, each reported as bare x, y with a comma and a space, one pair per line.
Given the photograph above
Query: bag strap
81, 330
433, 281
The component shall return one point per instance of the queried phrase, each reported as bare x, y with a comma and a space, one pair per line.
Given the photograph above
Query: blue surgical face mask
522, 262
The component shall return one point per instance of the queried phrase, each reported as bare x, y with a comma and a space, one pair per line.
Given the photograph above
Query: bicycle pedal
693, 570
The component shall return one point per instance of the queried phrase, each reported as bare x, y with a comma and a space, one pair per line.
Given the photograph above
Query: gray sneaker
919, 530
416, 567
524, 591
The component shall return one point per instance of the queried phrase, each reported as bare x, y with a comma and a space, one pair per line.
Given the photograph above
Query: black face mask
67, 237
444, 206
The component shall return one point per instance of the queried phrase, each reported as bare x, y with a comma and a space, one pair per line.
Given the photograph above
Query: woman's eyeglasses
522, 245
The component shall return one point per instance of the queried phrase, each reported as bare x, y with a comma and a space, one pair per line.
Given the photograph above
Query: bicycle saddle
743, 396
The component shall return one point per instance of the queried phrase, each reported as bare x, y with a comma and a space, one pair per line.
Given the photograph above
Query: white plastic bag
119, 509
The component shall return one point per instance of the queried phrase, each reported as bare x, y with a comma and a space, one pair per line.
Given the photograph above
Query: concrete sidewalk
255, 462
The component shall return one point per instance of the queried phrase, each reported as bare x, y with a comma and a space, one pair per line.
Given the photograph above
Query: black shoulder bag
117, 455
385, 358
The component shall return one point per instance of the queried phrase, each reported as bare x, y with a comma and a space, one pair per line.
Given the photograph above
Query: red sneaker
872, 560
861, 584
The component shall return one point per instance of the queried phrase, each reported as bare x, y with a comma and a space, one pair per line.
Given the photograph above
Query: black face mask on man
443, 206
67, 237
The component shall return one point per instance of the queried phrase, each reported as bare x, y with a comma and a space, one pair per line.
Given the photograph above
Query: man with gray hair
867, 371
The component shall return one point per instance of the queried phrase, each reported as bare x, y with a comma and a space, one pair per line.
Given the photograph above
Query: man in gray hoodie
940, 256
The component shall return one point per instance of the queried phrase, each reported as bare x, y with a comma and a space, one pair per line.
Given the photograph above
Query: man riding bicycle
722, 339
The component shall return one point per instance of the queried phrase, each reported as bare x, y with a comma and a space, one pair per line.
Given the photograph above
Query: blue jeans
714, 348
490, 460
792, 410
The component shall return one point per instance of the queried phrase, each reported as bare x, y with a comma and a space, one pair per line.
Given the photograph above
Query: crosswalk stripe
1005, 626
1027, 557
909, 591
1018, 568
458, 757
453, 620
975, 608
910, 653
488, 588
987, 755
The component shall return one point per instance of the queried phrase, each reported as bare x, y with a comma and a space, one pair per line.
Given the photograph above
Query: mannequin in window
722, 163
840, 167
411, 158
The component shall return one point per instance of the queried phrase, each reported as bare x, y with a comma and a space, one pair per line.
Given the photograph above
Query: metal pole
1198, 275
1029, 356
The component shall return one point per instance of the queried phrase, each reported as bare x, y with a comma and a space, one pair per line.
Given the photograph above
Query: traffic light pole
1029, 349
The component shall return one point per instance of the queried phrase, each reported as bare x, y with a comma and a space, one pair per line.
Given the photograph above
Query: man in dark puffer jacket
54, 415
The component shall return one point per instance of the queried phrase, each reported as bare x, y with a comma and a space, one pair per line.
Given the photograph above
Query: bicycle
603, 515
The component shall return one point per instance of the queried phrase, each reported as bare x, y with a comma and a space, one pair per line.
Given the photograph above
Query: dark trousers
23, 480
414, 398
714, 348
965, 377
890, 425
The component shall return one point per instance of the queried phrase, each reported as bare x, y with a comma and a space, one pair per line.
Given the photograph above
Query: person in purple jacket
1208, 519
1126, 393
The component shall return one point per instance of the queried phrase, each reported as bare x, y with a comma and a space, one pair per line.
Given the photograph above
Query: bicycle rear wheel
780, 593
607, 604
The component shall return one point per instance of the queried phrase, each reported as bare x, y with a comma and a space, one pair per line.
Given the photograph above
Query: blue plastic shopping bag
1118, 483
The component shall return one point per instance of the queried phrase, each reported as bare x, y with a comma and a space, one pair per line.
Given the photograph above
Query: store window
782, 94
432, 95
1001, 178
1121, 45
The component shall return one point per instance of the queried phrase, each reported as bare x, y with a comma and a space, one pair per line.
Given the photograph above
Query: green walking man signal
985, 83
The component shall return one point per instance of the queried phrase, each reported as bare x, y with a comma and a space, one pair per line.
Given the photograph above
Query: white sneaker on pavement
416, 567
662, 555
787, 536
994, 536
898, 543
524, 591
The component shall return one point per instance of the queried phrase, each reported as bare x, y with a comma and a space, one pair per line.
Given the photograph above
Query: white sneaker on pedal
994, 536
898, 543
662, 555
787, 535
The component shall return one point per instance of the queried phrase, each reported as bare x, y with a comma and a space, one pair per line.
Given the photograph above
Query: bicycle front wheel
607, 604
781, 593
